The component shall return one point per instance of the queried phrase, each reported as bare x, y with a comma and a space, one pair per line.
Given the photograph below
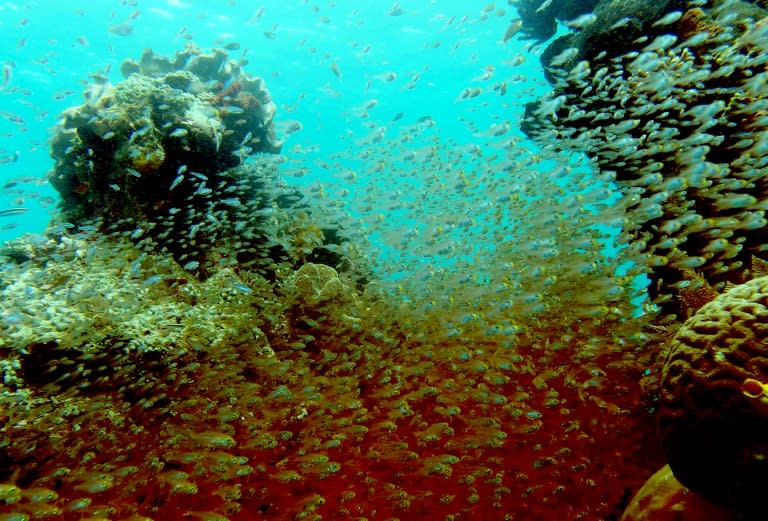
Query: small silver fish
13, 211
175, 183
582, 21
544, 5
512, 30
396, 10
668, 19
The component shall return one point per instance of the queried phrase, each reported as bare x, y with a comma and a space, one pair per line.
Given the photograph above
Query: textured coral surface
712, 434
164, 133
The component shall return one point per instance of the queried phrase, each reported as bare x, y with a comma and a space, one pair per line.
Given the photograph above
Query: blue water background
52, 47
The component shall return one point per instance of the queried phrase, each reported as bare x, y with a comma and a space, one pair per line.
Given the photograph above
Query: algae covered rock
713, 417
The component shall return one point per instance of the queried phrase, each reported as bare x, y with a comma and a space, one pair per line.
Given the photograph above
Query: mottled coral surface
712, 434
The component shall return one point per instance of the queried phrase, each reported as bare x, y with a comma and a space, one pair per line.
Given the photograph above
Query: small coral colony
195, 339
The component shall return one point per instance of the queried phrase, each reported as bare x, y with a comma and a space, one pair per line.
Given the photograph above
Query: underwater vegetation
193, 339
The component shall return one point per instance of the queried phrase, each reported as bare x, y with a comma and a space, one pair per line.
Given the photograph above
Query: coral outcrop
139, 147
159, 158
712, 421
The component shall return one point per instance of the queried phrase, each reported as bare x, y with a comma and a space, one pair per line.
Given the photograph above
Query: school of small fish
437, 318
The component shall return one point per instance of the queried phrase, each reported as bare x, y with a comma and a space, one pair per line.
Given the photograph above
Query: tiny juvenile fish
668, 19
544, 5
175, 183
582, 21
396, 10
123, 29
512, 30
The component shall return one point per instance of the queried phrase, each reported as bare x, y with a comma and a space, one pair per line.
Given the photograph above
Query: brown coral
713, 436
317, 284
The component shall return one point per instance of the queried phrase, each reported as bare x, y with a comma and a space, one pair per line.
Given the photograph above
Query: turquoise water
435, 49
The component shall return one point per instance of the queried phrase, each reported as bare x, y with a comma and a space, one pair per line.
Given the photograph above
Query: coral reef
711, 419
149, 142
304, 400
680, 125
199, 352
291, 390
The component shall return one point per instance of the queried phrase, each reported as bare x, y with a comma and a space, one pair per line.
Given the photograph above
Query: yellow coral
757, 392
